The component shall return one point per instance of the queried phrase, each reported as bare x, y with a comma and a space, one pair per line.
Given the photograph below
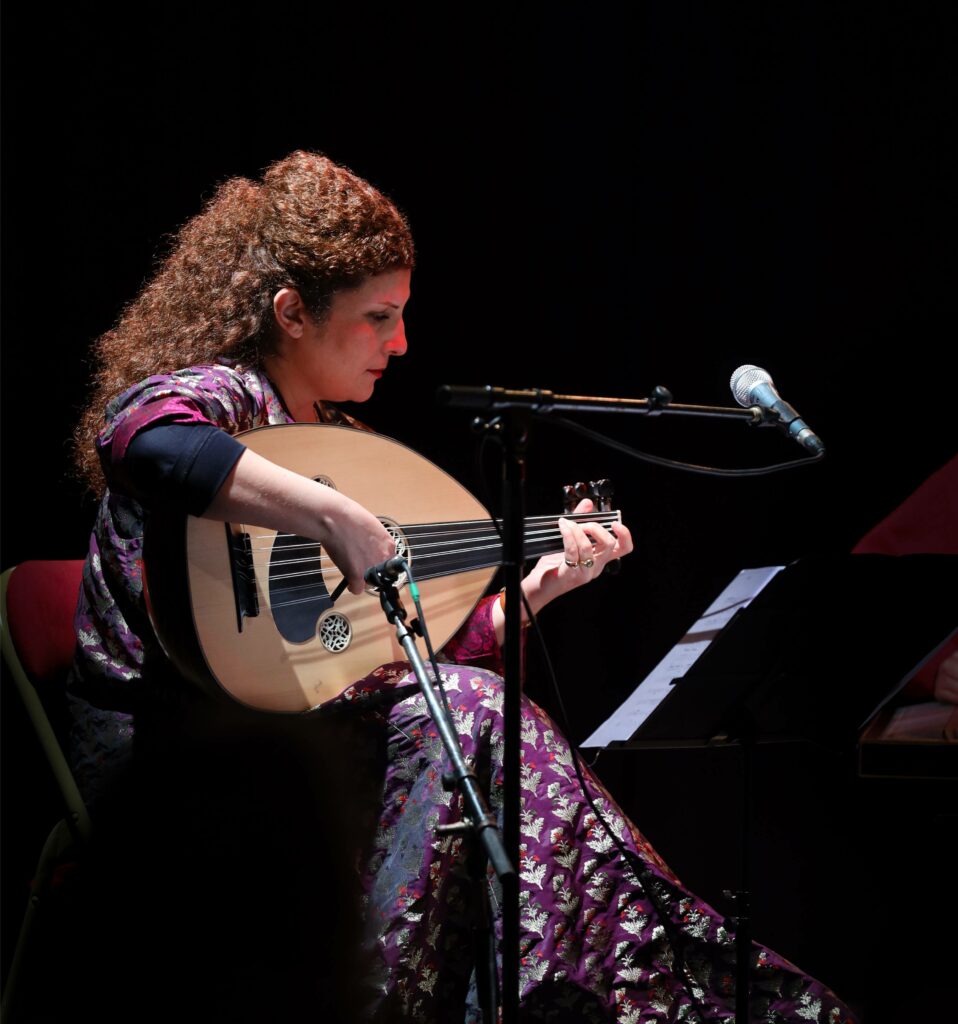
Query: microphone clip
383, 578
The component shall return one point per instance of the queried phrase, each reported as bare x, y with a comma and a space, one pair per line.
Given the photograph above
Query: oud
255, 613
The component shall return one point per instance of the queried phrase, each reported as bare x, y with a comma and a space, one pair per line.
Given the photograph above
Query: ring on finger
572, 565
588, 563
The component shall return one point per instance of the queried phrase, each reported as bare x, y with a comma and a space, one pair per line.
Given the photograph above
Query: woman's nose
396, 343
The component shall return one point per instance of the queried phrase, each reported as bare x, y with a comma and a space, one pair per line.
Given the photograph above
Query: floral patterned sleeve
475, 643
216, 395
116, 638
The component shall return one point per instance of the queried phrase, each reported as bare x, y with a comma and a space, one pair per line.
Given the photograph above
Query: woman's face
340, 358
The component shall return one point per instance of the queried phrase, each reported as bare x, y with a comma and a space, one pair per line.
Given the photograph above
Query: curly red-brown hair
310, 224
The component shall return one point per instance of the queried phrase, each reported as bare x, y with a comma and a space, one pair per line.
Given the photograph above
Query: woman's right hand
354, 539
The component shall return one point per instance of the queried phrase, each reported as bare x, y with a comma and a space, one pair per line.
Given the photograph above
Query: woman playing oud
287, 866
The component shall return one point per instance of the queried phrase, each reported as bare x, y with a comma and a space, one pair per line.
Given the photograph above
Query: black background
602, 201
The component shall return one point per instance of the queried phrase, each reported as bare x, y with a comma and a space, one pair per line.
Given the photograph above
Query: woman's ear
290, 312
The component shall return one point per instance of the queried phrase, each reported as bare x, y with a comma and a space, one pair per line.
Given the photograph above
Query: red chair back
41, 603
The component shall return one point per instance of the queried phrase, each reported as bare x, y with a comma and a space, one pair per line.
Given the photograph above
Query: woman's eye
379, 317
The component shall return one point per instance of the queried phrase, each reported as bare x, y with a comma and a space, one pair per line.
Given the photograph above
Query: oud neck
442, 549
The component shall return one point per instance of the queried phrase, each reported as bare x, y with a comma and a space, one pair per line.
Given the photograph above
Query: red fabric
926, 522
41, 602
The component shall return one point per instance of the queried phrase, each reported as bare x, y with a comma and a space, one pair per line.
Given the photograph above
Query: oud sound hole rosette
335, 632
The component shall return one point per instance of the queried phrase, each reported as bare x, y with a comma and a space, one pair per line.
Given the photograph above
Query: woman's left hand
587, 550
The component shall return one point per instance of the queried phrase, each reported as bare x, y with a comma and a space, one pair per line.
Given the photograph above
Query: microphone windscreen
744, 380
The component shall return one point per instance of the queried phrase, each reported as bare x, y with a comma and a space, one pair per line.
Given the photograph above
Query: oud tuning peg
582, 490
601, 492
568, 499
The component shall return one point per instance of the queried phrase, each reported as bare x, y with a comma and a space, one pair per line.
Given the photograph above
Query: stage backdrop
602, 203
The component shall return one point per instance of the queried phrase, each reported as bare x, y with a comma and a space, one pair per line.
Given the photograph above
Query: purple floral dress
593, 946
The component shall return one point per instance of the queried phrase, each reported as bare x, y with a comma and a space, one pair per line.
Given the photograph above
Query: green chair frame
71, 834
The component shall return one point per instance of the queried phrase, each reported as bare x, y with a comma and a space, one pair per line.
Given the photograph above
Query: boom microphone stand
477, 817
507, 413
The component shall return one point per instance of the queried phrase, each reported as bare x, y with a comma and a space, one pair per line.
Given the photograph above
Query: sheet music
647, 696
929, 722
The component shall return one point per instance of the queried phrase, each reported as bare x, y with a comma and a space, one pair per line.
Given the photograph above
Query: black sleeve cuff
181, 466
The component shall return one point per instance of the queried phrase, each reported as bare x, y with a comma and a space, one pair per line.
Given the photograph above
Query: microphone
751, 385
387, 572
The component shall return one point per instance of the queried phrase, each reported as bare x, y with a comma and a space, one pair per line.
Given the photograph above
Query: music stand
812, 657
